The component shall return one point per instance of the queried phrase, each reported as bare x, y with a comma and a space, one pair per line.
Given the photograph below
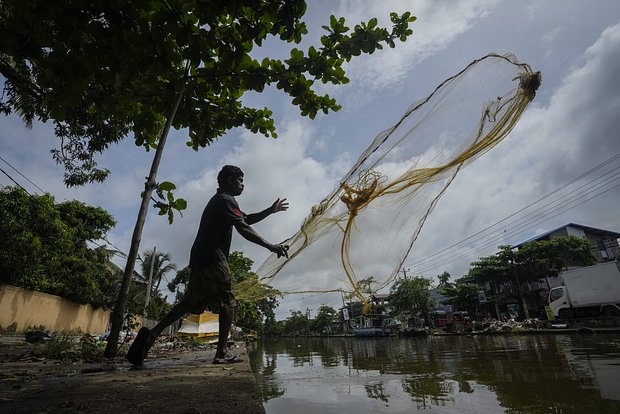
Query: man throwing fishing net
210, 283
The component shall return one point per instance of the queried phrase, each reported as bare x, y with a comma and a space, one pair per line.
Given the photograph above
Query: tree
461, 296
154, 265
533, 261
181, 278
364, 286
44, 247
296, 324
100, 71
250, 314
547, 258
159, 264
444, 280
412, 296
324, 319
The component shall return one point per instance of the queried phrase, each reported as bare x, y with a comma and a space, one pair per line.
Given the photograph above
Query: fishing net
369, 223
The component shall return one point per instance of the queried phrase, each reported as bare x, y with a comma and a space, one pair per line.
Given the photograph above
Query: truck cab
559, 304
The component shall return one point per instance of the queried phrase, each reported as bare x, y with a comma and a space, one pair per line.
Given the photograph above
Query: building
604, 246
604, 242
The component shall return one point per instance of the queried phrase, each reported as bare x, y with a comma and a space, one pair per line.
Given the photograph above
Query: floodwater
556, 374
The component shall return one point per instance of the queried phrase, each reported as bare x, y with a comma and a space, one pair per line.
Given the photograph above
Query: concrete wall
22, 309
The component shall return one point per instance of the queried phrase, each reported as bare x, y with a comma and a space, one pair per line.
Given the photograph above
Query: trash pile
493, 325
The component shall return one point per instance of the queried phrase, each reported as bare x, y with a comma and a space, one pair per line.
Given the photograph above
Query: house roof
592, 230
381, 296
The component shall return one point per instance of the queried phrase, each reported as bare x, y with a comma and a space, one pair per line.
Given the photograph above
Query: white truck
587, 292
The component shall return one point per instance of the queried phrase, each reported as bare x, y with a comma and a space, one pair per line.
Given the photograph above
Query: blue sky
570, 128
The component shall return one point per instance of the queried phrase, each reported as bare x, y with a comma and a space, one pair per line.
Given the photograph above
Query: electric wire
601, 165
12, 179
511, 231
118, 250
19, 172
439, 258
478, 248
514, 229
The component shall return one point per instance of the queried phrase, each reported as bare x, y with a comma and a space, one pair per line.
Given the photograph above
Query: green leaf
166, 186
180, 204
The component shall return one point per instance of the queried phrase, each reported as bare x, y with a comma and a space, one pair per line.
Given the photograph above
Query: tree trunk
150, 282
121, 301
498, 314
521, 297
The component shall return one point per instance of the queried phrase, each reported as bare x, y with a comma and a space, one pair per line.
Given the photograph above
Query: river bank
173, 381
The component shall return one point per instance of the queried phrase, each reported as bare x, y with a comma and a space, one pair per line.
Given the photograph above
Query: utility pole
405, 273
148, 286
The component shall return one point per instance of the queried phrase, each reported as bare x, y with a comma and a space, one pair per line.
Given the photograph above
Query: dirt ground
173, 380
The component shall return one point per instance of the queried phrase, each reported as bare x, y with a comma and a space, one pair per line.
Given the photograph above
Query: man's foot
137, 350
232, 359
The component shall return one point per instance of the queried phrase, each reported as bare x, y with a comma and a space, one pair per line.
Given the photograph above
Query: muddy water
458, 374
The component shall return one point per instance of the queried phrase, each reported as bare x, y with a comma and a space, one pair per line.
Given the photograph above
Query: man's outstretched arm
278, 205
250, 234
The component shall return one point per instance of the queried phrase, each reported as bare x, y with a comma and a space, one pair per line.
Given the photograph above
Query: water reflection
475, 374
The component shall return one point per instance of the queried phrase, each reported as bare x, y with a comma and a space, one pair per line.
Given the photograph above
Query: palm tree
161, 264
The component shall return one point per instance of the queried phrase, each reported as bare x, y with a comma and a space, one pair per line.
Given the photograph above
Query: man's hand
279, 249
279, 205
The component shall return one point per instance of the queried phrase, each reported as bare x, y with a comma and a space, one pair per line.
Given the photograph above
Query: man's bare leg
225, 320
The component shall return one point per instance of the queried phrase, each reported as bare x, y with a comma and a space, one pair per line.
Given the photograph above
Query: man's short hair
227, 172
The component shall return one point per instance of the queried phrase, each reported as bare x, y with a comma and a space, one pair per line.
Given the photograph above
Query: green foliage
355, 309
461, 296
254, 315
158, 305
364, 286
239, 266
161, 265
533, 261
549, 257
410, 296
325, 317
167, 203
44, 247
444, 280
101, 70
62, 347
181, 278
296, 324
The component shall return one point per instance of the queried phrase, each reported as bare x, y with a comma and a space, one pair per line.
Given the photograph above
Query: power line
427, 263
613, 158
123, 254
518, 229
514, 231
520, 225
18, 172
16, 183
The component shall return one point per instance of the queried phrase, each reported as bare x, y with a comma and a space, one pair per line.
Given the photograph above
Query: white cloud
549, 146
438, 24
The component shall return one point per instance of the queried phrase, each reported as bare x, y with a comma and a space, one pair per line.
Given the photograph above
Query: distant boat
369, 332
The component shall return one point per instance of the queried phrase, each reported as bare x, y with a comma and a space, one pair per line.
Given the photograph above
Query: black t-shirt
212, 242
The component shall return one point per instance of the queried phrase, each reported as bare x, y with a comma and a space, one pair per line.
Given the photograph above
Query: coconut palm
161, 265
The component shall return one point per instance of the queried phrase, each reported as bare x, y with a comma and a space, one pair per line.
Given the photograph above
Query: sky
559, 165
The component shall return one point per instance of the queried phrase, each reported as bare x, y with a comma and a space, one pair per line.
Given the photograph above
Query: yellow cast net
369, 223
